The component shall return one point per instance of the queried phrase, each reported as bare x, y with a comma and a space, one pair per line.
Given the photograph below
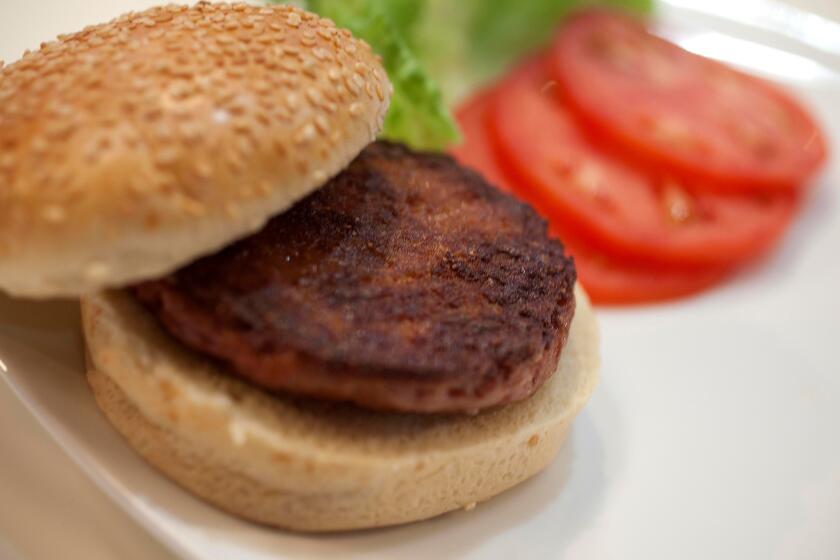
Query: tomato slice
680, 114
607, 281
617, 209
476, 150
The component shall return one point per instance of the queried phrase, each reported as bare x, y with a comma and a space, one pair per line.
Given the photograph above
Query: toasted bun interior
133, 147
314, 466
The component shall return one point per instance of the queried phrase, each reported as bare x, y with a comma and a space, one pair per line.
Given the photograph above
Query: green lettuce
418, 115
438, 51
486, 36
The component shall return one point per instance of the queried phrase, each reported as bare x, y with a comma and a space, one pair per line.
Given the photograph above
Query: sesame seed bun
309, 465
131, 148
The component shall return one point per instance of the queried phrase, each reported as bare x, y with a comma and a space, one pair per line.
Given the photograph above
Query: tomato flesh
610, 281
616, 208
606, 280
661, 171
476, 150
680, 114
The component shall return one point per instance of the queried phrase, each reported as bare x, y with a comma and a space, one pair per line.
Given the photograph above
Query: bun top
131, 148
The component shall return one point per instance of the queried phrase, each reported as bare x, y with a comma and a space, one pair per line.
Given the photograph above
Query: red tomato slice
680, 114
607, 281
612, 282
476, 151
617, 209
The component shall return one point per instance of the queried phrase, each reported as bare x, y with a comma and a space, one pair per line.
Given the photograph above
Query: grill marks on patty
406, 283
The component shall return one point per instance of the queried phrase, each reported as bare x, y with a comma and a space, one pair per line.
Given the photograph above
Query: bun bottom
309, 465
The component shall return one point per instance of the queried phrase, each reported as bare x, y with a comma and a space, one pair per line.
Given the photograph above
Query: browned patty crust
407, 283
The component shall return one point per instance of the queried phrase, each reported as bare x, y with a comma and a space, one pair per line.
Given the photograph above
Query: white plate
712, 435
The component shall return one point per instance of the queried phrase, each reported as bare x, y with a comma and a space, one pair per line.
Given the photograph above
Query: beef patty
407, 283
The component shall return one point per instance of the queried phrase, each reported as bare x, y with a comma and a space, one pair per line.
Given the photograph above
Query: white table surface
48, 508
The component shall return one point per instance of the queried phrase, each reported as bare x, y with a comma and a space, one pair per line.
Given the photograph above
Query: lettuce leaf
418, 115
438, 51
468, 43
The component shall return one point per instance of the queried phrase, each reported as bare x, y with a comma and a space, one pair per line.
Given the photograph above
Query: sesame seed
353, 83
319, 176
234, 161
235, 72
288, 80
59, 129
203, 169
39, 145
167, 156
334, 137
281, 114
6, 160
262, 118
321, 123
54, 214
264, 187
289, 66
97, 271
220, 116
310, 68
163, 132
314, 96
193, 207
242, 126
262, 86
231, 210
306, 134
180, 90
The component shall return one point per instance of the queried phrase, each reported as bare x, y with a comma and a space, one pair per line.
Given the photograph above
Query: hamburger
301, 324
